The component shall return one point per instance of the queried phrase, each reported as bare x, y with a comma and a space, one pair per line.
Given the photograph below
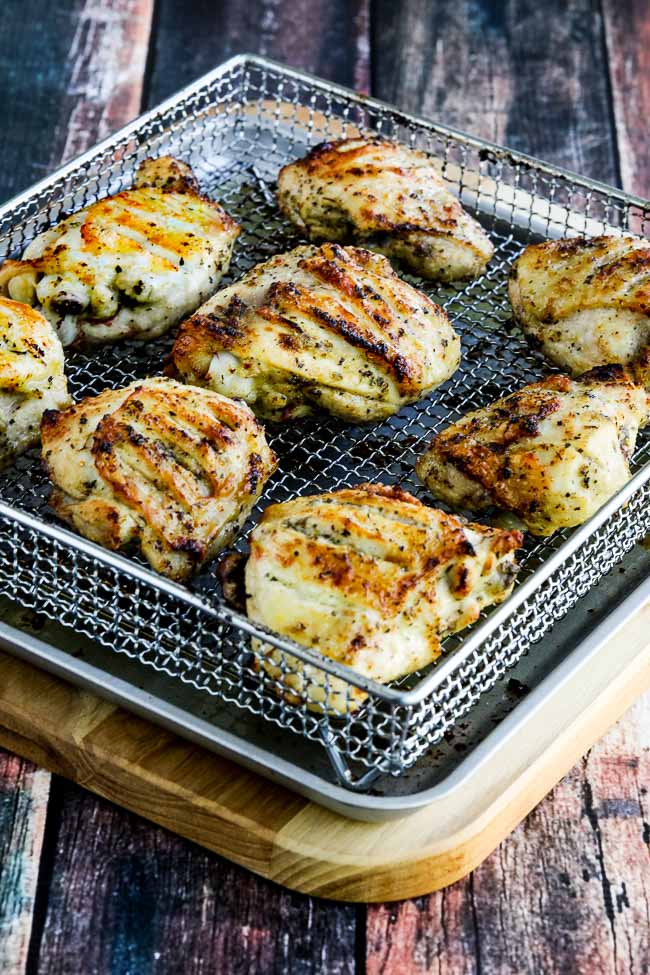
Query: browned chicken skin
129, 265
387, 197
552, 453
171, 468
585, 301
331, 327
370, 577
32, 377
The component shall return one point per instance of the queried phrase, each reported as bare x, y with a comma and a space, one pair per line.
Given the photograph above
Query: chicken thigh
372, 578
31, 376
553, 453
387, 197
170, 468
586, 301
329, 327
130, 265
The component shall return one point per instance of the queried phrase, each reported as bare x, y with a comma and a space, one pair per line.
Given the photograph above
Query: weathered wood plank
71, 74
567, 892
627, 30
128, 897
328, 37
24, 792
78, 76
530, 75
107, 59
36, 40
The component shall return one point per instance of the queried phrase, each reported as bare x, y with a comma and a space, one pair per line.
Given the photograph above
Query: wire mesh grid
236, 128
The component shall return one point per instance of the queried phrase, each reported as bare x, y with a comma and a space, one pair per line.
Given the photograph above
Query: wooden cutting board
292, 840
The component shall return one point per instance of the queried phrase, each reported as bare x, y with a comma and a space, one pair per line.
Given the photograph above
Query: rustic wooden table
88, 888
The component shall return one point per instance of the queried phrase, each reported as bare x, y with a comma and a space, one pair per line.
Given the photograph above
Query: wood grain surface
568, 892
498, 70
24, 794
327, 37
127, 897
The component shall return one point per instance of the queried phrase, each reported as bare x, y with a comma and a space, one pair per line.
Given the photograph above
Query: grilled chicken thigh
387, 197
585, 301
328, 327
372, 578
31, 376
129, 265
169, 467
553, 453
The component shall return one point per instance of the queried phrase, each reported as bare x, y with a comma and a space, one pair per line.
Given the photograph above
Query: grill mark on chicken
584, 301
333, 272
332, 316
145, 479
227, 330
174, 440
386, 196
329, 325
173, 467
635, 268
326, 547
365, 300
166, 470
611, 373
371, 577
136, 212
312, 334
130, 264
129, 234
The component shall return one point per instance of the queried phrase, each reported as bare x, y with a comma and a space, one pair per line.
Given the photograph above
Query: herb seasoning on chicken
552, 453
171, 468
586, 301
31, 376
387, 197
130, 265
330, 327
372, 578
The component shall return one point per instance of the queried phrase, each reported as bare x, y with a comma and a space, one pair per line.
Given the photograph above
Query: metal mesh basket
236, 127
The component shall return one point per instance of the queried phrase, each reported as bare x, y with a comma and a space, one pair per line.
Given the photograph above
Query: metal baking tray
237, 126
